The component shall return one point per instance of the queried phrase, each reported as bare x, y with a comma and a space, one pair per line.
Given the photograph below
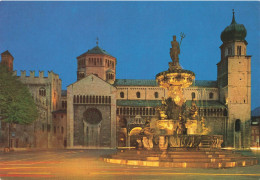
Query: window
42, 91
62, 130
64, 103
54, 129
237, 125
156, 95
211, 95
239, 50
138, 94
193, 95
122, 95
229, 51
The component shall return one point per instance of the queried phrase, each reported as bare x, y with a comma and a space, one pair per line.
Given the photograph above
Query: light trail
167, 173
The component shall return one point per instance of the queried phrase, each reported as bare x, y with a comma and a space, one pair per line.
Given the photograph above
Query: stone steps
184, 159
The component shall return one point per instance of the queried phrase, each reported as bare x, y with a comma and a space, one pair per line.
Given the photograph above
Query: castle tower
98, 62
234, 82
7, 59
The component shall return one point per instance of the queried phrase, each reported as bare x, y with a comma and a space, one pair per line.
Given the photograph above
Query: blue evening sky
50, 35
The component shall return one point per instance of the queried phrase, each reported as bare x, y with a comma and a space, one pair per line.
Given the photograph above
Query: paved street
86, 164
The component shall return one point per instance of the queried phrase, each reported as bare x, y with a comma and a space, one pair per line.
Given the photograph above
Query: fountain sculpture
177, 125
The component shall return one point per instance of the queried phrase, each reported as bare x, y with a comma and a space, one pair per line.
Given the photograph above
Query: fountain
177, 125
178, 137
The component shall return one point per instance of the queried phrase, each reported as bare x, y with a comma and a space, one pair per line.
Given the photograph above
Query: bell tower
98, 62
7, 59
234, 82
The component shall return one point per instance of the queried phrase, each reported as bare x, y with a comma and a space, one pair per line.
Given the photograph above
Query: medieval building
100, 111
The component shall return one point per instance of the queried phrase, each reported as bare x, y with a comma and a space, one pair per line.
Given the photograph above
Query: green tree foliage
16, 102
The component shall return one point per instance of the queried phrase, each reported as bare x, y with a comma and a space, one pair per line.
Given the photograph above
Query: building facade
100, 111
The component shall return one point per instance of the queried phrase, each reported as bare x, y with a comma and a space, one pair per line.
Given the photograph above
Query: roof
96, 50
206, 104
139, 103
234, 31
205, 83
135, 82
7, 53
155, 103
63, 92
151, 82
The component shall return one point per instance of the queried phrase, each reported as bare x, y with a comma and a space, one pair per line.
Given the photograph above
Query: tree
16, 102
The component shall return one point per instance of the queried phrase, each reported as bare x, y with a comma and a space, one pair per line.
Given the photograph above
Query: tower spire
233, 19
97, 41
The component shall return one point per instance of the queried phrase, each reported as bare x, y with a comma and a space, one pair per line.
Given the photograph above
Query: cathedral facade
101, 111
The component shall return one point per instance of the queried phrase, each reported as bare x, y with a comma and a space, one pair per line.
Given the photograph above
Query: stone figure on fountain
174, 53
193, 110
147, 132
163, 109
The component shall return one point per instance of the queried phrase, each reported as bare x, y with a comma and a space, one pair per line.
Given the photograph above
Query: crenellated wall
46, 91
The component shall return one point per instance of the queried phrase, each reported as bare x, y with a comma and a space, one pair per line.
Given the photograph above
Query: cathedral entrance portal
92, 124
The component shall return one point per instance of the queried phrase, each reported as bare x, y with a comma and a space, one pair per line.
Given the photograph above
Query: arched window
138, 95
77, 99
193, 95
84, 99
156, 95
237, 125
239, 50
225, 113
90, 99
230, 51
42, 91
211, 95
122, 95
93, 100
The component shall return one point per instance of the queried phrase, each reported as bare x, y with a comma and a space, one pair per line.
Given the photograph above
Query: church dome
234, 31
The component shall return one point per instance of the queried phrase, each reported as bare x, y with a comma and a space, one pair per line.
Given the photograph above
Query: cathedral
101, 111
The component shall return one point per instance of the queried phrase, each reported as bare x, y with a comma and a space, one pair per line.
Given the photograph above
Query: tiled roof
96, 50
204, 103
155, 103
63, 92
139, 103
135, 82
151, 82
205, 83
7, 53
